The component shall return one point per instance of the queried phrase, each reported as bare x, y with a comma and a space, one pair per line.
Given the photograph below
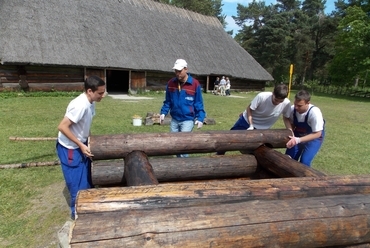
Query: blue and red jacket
184, 100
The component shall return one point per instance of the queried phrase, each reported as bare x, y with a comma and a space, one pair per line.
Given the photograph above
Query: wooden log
138, 170
105, 172
32, 138
304, 222
282, 165
211, 193
116, 146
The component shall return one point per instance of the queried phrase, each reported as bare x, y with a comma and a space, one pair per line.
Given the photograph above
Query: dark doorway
118, 81
212, 80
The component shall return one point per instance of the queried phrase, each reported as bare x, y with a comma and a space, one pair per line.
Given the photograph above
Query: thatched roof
128, 34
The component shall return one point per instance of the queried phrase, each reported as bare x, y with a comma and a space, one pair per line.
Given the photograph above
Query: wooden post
107, 172
282, 165
117, 146
138, 170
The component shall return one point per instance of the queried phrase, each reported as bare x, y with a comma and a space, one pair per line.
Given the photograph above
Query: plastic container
137, 121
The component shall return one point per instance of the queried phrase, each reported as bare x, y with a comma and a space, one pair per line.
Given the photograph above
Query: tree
352, 57
288, 33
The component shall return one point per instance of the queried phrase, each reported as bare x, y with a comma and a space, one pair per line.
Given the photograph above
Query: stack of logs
260, 199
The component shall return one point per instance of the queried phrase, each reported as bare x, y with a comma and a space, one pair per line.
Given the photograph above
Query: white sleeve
315, 120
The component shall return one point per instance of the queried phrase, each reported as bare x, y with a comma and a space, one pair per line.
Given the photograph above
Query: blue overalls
305, 150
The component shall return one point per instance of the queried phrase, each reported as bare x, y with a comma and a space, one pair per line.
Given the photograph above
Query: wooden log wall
117, 146
290, 212
41, 78
306, 208
107, 172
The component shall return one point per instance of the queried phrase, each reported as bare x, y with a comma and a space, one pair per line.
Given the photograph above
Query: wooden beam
282, 165
324, 221
215, 192
107, 172
138, 170
116, 146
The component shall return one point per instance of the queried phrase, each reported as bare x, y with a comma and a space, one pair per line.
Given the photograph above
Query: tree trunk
138, 170
105, 172
117, 146
283, 166
210, 193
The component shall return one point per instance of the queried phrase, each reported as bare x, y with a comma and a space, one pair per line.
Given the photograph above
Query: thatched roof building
115, 37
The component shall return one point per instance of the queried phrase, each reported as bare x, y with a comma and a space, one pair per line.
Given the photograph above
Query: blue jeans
76, 169
181, 126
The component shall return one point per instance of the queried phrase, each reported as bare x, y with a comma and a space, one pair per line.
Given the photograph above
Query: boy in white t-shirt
74, 130
308, 127
264, 110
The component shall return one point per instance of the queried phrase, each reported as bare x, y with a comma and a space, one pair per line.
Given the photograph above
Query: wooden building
131, 44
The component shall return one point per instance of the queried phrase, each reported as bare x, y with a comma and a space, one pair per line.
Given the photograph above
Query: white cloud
231, 25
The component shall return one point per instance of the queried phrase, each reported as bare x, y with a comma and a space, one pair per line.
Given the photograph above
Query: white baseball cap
180, 64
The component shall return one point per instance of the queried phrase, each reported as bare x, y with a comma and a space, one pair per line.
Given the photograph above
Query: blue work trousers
76, 169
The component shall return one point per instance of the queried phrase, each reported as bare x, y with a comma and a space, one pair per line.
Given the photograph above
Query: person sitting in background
308, 127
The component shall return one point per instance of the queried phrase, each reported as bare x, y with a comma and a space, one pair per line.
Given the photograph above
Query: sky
229, 9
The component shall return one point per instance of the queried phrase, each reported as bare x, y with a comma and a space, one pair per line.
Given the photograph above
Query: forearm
310, 136
287, 123
249, 115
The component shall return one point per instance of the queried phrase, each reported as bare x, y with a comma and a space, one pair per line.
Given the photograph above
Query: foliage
284, 34
352, 58
14, 94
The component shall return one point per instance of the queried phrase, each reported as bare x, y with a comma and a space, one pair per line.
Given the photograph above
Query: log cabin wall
98, 72
41, 78
138, 80
49, 78
157, 81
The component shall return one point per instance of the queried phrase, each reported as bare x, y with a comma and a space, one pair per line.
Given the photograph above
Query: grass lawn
33, 206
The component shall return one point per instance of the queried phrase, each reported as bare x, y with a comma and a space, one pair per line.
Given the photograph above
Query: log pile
262, 199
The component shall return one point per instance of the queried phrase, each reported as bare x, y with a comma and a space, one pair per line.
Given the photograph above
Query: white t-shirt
81, 112
265, 113
314, 120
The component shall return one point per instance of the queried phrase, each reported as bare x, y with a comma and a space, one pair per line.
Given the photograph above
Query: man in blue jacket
183, 101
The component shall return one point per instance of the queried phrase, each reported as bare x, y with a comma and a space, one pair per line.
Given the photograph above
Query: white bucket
136, 122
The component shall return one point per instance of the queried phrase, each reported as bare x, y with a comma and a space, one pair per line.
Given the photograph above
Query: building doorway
118, 81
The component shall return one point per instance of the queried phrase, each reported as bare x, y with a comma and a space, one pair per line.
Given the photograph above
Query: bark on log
32, 138
117, 146
138, 170
212, 193
282, 165
27, 165
105, 172
305, 222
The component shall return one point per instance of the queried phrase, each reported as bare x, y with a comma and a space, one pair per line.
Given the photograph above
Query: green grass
31, 211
